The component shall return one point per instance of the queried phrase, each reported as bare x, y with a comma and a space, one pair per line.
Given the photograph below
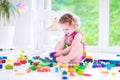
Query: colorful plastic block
8, 67
52, 54
1, 66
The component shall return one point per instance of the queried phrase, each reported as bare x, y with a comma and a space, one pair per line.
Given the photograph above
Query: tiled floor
95, 73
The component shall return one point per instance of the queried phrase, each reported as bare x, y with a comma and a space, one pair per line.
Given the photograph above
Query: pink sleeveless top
69, 40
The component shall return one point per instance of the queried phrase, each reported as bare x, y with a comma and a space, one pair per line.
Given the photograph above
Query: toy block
81, 67
47, 69
35, 63
3, 61
28, 70
69, 66
88, 60
4, 57
34, 58
41, 59
44, 69
104, 72
33, 68
64, 78
23, 62
0, 61
54, 63
118, 70
19, 73
9, 61
9, 67
56, 69
1, 66
113, 73
22, 51
52, 54
17, 64
90, 57
118, 55
51, 64
46, 58
80, 72
30, 61
37, 57
87, 74
64, 72
71, 74
1, 58
94, 66
81, 64
64, 65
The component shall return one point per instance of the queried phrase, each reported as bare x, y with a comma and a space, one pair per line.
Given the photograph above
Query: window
99, 21
114, 23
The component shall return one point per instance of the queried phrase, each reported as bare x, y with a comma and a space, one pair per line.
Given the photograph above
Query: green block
54, 63
41, 59
86, 64
81, 67
80, 72
33, 68
30, 61
9, 67
64, 72
95, 63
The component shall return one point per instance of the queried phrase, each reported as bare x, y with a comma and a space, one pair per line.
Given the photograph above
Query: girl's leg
74, 54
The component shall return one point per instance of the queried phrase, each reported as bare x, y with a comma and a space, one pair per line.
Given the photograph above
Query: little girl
71, 48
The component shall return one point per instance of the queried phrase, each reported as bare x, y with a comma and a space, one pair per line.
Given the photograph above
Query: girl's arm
77, 40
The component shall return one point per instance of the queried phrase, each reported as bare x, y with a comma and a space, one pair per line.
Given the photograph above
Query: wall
23, 30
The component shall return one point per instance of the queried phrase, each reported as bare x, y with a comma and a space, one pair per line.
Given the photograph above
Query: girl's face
67, 29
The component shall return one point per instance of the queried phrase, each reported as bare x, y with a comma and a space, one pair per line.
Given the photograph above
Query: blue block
1, 66
51, 64
64, 78
34, 58
52, 54
4, 57
103, 65
118, 55
81, 64
51, 61
1, 58
56, 69
94, 66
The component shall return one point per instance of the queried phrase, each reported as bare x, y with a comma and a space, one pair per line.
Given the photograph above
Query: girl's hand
58, 54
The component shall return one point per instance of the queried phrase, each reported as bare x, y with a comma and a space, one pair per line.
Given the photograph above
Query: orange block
62, 66
71, 70
105, 72
28, 70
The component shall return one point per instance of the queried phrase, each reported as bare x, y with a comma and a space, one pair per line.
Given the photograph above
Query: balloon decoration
20, 7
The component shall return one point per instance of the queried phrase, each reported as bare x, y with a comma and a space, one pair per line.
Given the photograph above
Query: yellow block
113, 73
20, 73
89, 57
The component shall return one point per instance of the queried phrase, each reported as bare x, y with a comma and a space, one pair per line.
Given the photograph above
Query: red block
17, 64
37, 57
23, 62
2, 61
47, 58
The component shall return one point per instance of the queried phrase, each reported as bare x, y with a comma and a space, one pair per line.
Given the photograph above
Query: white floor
96, 73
